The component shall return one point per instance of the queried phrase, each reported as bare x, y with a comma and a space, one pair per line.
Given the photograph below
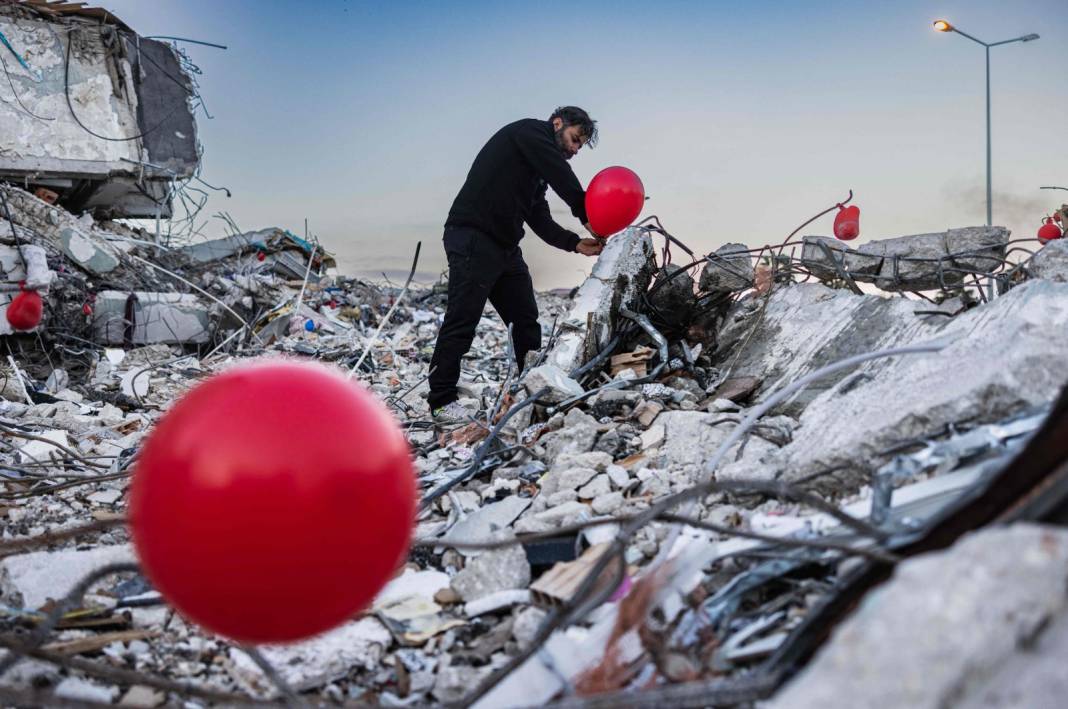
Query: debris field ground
802, 474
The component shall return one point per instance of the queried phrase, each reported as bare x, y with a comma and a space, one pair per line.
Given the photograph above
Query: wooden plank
98, 642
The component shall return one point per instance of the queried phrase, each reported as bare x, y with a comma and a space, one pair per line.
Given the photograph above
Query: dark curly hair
575, 116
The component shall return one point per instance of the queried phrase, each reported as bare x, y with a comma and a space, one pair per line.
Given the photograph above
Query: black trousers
480, 269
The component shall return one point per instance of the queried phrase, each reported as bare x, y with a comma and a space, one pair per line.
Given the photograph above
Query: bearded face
569, 139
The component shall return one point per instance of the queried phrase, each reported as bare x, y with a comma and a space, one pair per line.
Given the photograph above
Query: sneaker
452, 413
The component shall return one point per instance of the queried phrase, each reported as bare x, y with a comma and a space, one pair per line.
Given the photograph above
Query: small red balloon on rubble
614, 200
25, 310
1049, 231
273, 501
847, 223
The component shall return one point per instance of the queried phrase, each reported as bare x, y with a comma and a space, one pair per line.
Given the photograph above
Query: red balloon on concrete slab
273, 501
614, 200
1049, 231
25, 310
847, 223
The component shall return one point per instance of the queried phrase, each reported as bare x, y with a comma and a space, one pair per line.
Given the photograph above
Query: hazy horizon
742, 120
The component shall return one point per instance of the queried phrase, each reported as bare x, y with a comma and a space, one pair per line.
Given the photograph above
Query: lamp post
943, 26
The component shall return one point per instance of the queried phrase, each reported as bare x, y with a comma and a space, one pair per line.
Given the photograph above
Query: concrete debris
560, 386
316, 662
621, 274
150, 319
493, 571
909, 263
673, 294
648, 376
120, 83
1051, 262
729, 268
30, 580
945, 623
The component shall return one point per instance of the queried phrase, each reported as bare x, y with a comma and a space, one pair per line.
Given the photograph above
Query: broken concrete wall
999, 358
120, 86
807, 326
906, 263
943, 627
79, 239
150, 318
620, 275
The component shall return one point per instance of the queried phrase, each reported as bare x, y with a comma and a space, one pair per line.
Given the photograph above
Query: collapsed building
802, 474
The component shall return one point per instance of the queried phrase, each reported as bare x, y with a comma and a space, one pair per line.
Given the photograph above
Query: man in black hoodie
505, 188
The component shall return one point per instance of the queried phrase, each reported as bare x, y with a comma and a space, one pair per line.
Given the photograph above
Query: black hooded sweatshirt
506, 187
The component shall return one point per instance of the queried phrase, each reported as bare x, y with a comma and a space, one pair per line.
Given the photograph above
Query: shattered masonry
874, 538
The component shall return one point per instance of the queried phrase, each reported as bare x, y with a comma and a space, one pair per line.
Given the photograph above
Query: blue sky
742, 118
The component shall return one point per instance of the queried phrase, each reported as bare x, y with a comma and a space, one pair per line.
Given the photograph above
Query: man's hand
589, 247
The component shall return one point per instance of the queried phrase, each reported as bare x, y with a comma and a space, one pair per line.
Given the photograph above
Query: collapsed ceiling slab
96, 116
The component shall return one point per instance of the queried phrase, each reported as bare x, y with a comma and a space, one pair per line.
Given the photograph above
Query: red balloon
847, 223
25, 310
614, 200
273, 501
1049, 231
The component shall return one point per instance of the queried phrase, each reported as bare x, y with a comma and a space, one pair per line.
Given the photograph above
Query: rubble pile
645, 508
677, 500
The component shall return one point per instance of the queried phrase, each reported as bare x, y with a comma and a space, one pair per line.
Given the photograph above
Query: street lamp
943, 26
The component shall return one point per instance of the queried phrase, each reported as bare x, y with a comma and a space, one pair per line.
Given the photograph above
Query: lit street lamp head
942, 26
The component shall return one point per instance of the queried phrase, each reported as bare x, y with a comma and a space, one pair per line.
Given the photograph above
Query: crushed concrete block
618, 475
675, 298
600, 485
453, 682
29, 580
316, 662
497, 570
934, 634
89, 252
653, 436
910, 396
78, 689
1035, 679
559, 497
566, 479
565, 514
728, 269
560, 386
141, 695
608, 503
578, 435
484, 522
688, 437
915, 262
977, 248
169, 318
807, 326
526, 625
620, 275
1051, 262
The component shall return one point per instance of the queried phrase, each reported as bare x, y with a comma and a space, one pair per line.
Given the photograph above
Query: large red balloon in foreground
614, 200
273, 501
